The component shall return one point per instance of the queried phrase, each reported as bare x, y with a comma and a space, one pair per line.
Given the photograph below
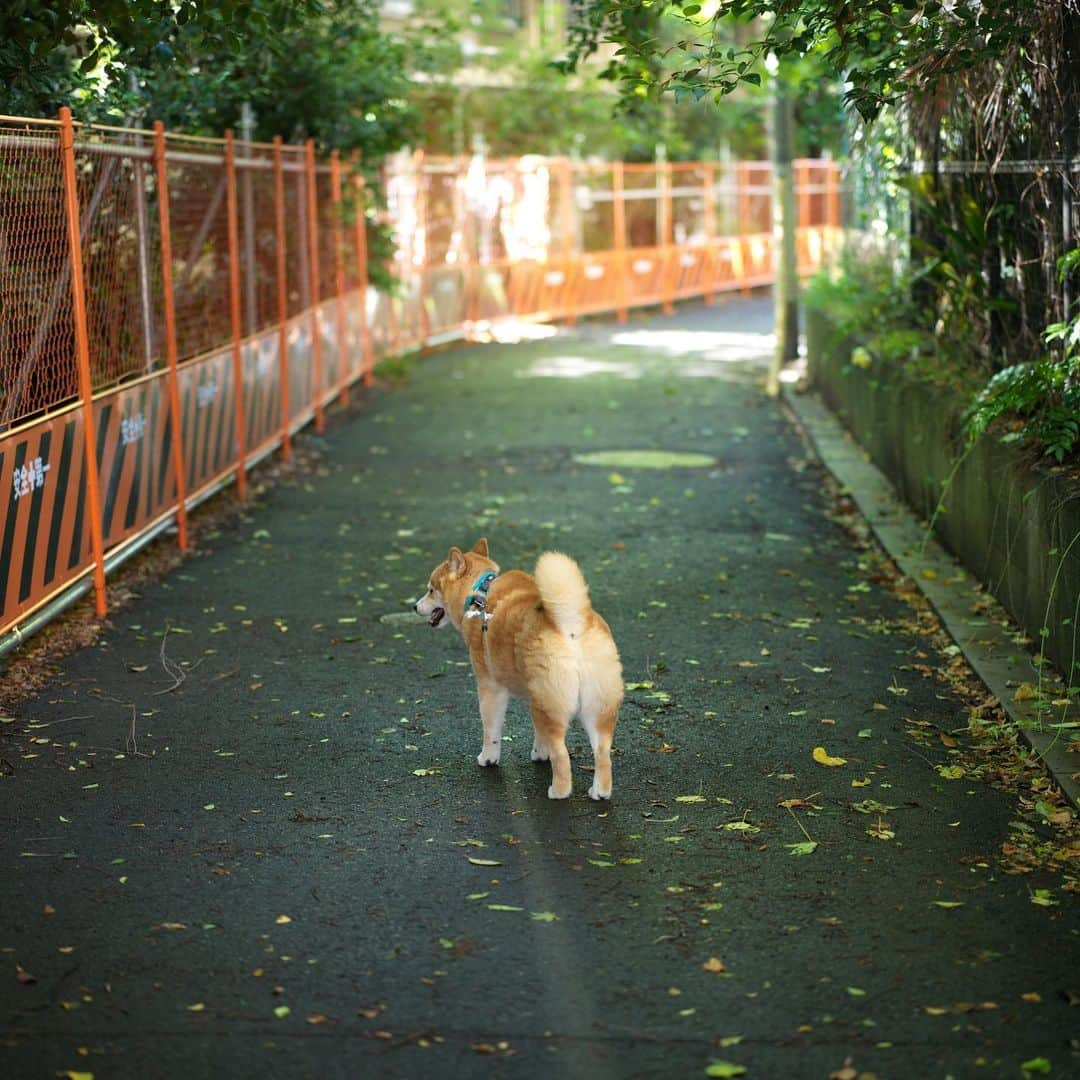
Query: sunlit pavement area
254, 840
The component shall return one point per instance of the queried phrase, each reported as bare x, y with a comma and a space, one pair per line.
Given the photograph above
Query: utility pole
786, 275
247, 198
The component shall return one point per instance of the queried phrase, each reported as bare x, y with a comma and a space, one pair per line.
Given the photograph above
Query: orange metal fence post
463, 221
803, 220
162, 173
804, 215
282, 299
832, 194
513, 291
618, 207
422, 233
362, 275
743, 186
802, 190
339, 274
667, 239
313, 272
234, 315
393, 323
82, 357
709, 228
566, 240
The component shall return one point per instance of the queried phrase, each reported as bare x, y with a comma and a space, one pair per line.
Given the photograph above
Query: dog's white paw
554, 794
596, 795
488, 757
539, 755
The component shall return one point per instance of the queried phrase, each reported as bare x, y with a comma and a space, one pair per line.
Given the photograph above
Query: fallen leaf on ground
823, 757
1039, 1065
1044, 898
959, 1008
725, 1069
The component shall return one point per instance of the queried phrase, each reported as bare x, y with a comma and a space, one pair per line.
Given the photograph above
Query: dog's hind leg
600, 727
551, 735
493, 702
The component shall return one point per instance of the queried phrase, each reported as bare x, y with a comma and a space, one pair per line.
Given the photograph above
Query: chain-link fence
173, 307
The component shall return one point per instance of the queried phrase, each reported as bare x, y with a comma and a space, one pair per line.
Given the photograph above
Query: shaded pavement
303, 872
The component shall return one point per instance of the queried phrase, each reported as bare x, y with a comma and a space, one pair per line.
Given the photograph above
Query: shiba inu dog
533, 636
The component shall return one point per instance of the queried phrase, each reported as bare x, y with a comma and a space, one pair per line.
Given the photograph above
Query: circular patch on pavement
645, 459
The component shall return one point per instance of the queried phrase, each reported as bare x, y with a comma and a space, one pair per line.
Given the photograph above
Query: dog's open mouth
436, 616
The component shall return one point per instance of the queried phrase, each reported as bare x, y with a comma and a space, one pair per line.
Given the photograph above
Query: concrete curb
986, 644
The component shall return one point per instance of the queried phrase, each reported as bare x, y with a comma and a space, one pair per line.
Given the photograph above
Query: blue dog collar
476, 601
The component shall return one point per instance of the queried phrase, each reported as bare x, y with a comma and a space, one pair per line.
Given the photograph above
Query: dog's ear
456, 562
480, 547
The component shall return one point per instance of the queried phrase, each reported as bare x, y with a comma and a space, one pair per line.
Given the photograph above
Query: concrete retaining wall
1010, 523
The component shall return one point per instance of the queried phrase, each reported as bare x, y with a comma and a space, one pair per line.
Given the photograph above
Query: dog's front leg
493, 701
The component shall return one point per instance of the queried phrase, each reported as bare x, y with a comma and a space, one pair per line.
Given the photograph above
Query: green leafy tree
882, 51
77, 52
337, 79
318, 68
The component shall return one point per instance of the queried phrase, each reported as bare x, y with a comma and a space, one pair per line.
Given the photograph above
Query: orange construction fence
173, 308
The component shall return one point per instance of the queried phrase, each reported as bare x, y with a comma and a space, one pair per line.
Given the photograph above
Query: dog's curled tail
563, 592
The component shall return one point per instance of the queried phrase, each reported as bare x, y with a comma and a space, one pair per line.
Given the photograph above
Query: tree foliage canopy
52, 53
882, 50
319, 68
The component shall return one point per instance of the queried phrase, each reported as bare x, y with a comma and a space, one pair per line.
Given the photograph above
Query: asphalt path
245, 833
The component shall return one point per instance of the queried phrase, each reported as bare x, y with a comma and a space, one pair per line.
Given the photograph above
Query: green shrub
1042, 401
868, 299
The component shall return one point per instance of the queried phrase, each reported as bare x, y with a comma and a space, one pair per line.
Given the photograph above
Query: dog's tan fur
543, 643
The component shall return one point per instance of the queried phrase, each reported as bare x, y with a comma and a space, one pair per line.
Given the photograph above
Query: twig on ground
800, 824
174, 670
130, 744
65, 720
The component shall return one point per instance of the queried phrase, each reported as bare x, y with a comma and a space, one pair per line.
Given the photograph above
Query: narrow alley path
303, 872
